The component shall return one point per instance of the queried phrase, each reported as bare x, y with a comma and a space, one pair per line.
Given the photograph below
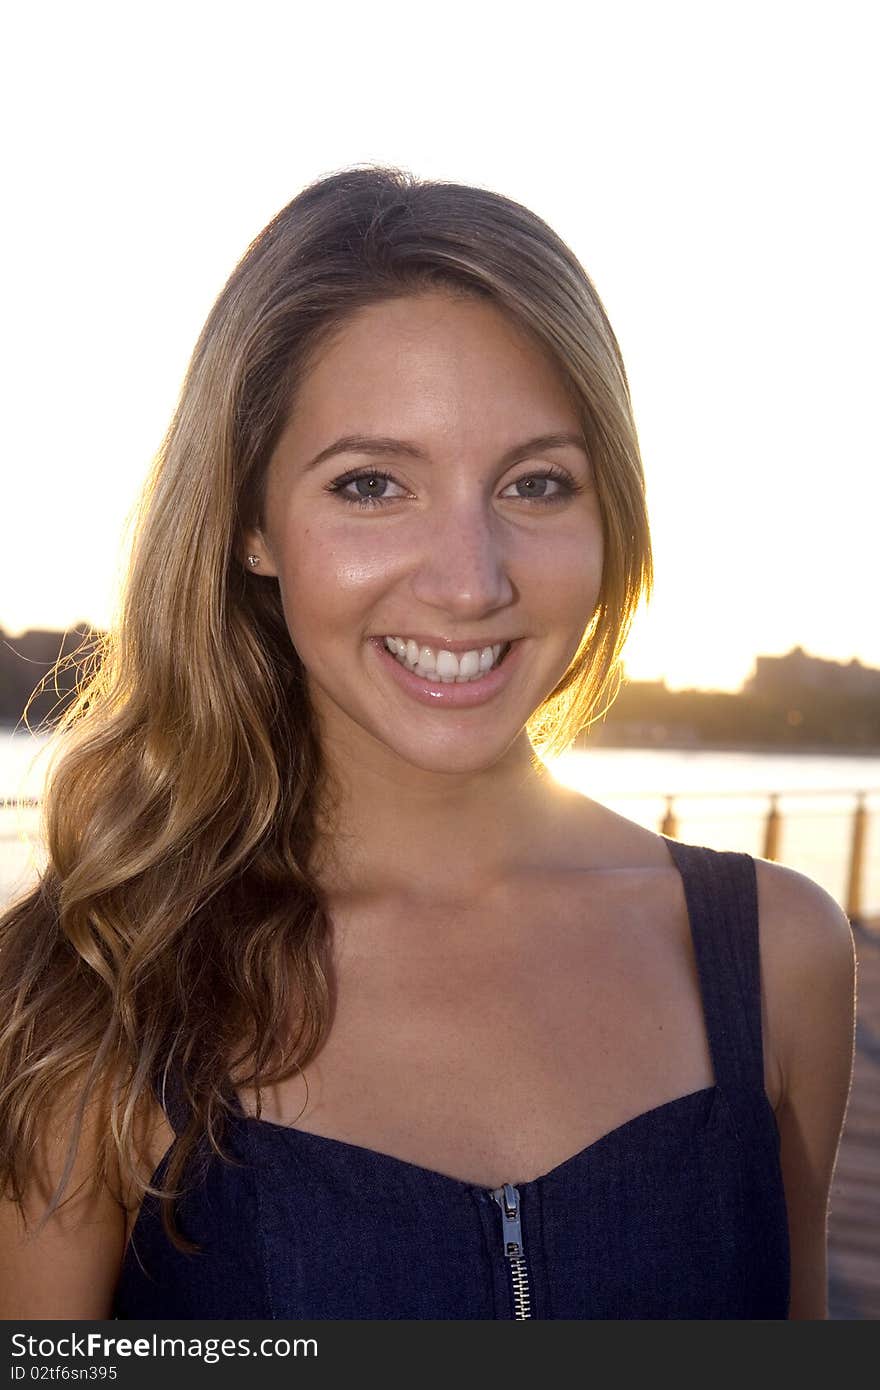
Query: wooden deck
854, 1222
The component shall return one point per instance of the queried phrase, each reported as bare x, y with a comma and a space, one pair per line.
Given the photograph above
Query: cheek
571, 569
325, 577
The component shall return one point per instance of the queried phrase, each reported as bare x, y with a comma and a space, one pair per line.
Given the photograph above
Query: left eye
545, 478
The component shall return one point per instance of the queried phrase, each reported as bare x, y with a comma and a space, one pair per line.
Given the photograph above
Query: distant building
783, 677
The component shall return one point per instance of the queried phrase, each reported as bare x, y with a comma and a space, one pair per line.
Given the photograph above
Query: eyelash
557, 474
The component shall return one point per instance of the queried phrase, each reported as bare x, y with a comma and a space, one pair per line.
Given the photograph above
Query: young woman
331, 1003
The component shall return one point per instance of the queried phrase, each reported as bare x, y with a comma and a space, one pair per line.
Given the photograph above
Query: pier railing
857, 809
859, 812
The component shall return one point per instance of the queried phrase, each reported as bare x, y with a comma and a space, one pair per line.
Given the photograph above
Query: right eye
370, 476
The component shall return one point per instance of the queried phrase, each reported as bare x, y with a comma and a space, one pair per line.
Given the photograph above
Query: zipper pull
507, 1198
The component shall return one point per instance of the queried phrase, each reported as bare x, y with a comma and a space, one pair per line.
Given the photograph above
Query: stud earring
253, 560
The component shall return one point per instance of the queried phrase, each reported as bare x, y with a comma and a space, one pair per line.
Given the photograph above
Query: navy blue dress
678, 1213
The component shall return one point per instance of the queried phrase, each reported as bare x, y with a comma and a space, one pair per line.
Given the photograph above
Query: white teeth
470, 663
443, 664
448, 666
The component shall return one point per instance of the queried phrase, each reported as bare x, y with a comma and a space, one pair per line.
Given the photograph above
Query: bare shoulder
798, 903
590, 835
65, 1266
809, 967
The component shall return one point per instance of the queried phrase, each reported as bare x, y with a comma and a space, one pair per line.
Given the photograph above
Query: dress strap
721, 891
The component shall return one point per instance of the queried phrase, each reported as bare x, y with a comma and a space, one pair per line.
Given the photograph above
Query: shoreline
818, 750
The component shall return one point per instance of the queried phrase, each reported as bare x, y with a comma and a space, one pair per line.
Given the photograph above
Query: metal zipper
507, 1198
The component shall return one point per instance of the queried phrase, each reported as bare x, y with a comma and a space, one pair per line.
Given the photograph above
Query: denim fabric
679, 1213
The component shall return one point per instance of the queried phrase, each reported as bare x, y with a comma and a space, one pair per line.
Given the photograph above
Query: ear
254, 543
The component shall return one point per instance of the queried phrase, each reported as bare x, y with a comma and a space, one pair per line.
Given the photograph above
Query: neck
407, 832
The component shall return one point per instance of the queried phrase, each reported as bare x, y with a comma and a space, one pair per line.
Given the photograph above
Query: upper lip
440, 643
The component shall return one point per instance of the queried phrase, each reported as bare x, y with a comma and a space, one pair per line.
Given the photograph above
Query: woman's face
461, 543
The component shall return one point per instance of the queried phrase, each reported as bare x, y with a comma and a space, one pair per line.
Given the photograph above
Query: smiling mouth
444, 666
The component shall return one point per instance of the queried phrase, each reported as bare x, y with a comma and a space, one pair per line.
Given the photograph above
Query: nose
463, 561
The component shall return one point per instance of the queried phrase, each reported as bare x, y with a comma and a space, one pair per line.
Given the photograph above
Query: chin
454, 758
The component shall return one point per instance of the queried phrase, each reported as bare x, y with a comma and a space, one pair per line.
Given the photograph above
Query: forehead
434, 346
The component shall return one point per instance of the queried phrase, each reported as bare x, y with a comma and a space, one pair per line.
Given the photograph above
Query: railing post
670, 822
772, 828
856, 859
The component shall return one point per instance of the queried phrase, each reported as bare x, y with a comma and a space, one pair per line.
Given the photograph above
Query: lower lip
451, 694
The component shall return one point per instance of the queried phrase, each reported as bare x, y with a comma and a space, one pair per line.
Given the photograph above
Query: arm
71, 1267
808, 964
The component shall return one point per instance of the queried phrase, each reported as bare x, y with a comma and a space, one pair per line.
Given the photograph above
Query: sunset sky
712, 166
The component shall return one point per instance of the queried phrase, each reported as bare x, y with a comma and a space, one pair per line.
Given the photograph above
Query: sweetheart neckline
463, 1183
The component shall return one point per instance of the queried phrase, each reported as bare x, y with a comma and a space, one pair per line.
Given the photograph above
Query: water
721, 799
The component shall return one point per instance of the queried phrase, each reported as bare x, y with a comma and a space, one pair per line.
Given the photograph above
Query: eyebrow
379, 444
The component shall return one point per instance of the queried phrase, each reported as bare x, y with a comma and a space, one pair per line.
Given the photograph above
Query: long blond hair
187, 790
